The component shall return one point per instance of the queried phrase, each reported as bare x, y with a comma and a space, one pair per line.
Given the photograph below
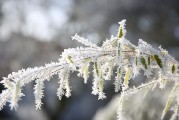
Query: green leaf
143, 61
167, 106
101, 85
119, 45
114, 41
70, 59
96, 68
158, 60
173, 68
136, 61
127, 77
152, 57
120, 33
149, 60
119, 73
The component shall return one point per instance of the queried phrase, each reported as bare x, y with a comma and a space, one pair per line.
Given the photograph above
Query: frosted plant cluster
116, 54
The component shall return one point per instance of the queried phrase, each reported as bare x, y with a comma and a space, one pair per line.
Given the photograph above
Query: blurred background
35, 32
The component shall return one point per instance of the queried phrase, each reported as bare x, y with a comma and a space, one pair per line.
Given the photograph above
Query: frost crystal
116, 54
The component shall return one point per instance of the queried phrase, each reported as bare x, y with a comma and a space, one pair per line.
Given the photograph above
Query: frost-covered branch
116, 54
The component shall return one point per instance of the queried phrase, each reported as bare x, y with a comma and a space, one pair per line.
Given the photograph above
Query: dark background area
35, 32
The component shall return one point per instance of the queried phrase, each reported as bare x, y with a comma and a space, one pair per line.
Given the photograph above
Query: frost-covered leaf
143, 62
148, 60
158, 60
127, 77
173, 68
116, 54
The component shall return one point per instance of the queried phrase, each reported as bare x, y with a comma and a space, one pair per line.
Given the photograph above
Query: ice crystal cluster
116, 54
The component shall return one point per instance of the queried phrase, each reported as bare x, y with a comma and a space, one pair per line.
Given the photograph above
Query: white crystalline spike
4, 97
84, 41
122, 26
38, 92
